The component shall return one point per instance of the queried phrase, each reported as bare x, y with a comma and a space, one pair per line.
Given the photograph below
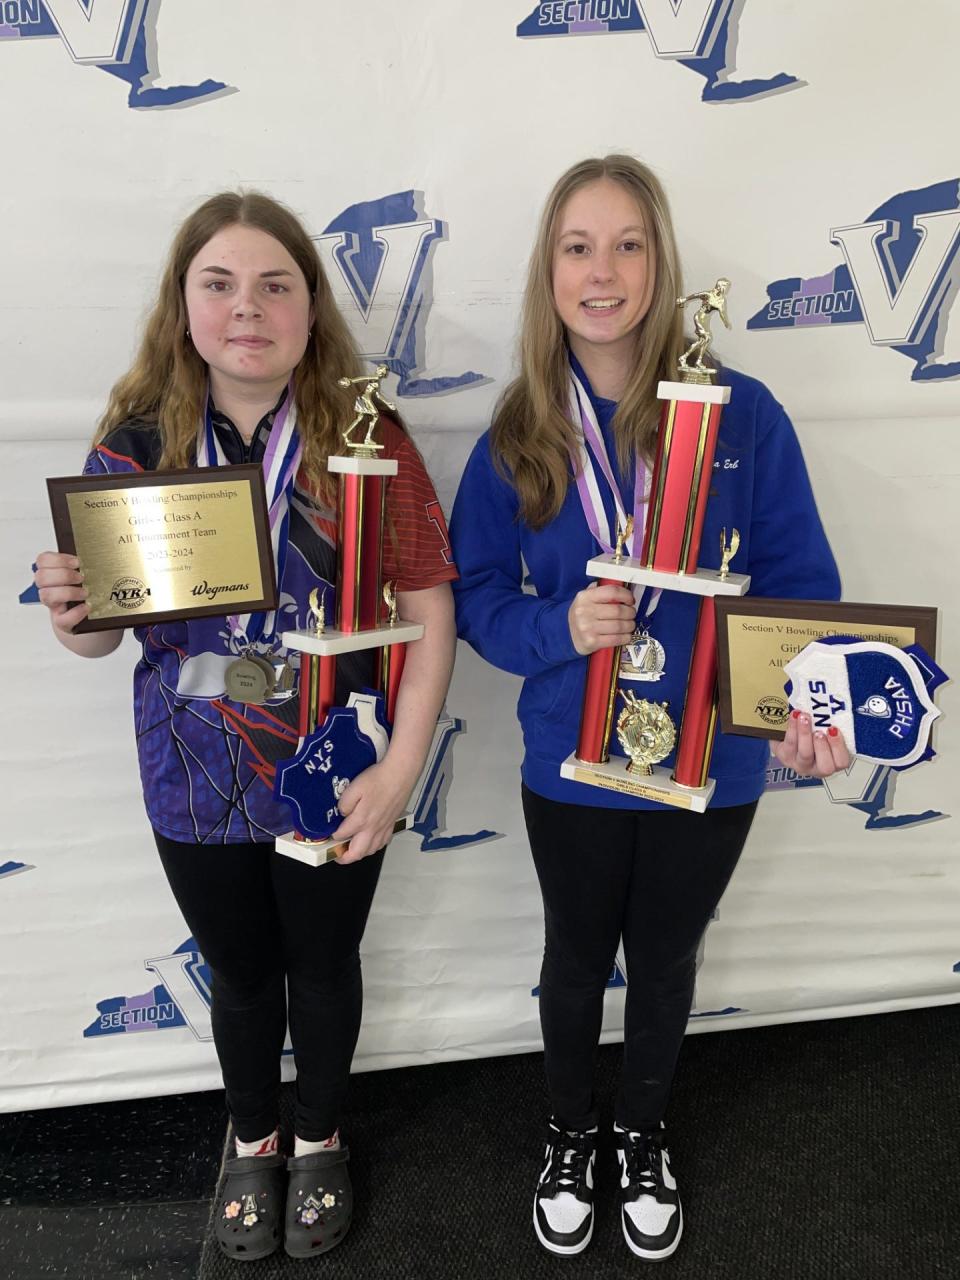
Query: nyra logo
119, 36
377, 257
699, 34
899, 276
129, 593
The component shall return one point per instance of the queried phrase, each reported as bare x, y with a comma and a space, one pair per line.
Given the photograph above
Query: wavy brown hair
533, 439
167, 382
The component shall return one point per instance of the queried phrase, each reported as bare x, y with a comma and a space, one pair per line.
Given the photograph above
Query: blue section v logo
377, 257
13, 868
864, 786
899, 277
699, 34
118, 36
181, 998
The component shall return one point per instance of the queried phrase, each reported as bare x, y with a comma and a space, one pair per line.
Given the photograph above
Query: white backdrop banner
803, 148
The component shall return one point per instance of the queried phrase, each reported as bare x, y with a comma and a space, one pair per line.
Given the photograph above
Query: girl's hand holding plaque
59, 584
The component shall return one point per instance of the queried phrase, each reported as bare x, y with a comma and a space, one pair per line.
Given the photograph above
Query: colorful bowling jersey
207, 763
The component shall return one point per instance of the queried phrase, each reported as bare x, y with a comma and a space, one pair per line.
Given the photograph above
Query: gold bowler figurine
727, 550
713, 300
366, 410
318, 610
623, 533
645, 732
390, 600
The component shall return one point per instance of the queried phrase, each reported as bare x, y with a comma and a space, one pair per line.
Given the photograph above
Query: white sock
301, 1147
262, 1146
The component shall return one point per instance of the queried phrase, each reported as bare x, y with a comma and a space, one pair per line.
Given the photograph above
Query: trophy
689, 422
337, 743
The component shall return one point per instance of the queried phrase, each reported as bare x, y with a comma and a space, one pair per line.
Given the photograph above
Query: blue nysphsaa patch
877, 696
351, 739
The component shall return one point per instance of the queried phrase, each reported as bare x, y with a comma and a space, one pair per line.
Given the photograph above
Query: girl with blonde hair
571, 445
239, 362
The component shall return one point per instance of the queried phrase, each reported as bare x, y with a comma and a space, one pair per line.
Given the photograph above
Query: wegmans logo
118, 36
899, 278
699, 34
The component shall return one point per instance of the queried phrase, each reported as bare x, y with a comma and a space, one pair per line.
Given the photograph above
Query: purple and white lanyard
590, 441
281, 461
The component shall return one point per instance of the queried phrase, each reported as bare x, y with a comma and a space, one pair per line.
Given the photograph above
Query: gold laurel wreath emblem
645, 732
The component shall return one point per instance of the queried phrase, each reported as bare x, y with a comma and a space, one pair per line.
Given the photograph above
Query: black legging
653, 877
267, 926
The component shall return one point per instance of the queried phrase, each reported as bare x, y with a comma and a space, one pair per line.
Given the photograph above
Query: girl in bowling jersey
240, 361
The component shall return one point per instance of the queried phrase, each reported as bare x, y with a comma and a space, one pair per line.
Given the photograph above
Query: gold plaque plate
162, 545
658, 785
757, 637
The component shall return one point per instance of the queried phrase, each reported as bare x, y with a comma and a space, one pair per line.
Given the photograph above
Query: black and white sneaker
650, 1212
563, 1205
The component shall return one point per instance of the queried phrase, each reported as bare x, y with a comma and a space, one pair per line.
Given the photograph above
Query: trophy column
599, 700
683, 466
359, 624
698, 725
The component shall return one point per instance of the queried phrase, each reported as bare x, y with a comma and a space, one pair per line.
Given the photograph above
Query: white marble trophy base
658, 785
346, 464
697, 392
316, 852
333, 641
705, 582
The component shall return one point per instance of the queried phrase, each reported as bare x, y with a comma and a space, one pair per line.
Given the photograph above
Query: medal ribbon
281, 461
590, 442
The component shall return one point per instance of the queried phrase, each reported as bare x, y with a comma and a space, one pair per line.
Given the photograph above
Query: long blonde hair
167, 382
532, 437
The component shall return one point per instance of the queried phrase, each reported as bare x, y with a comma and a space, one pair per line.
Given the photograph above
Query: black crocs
250, 1207
319, 1203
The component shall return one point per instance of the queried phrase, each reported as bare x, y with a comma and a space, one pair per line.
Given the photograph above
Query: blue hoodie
760, 486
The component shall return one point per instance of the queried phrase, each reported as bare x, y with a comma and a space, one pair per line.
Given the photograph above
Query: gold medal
645, 732
249, 679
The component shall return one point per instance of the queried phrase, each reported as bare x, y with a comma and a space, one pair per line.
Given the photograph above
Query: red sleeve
416, 546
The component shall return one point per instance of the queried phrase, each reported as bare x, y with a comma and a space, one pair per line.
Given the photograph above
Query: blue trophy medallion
351, 739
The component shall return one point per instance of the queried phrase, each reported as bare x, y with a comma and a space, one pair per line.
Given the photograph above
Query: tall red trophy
682, 472
337, 743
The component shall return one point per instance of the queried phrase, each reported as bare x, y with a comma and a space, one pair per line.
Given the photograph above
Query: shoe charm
250, 1215
310, 1210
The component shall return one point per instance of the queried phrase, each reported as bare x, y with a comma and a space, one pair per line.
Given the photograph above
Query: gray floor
116, 1191
818, 1151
